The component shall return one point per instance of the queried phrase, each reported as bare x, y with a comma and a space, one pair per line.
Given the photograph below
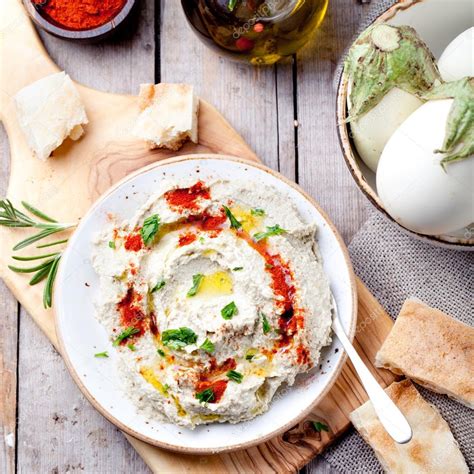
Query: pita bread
432, 449
168, 115
49, 111
433, 349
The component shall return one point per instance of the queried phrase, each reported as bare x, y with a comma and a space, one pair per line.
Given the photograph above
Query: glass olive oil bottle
257, 31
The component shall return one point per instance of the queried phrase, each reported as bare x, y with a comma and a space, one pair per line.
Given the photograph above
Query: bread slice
168, 115
49, 111
433, 349
432, 449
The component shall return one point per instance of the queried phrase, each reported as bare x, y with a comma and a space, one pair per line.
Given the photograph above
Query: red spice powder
187, 198
79, 14
303, 355
217, 387
131, 314
186, 239
133, 242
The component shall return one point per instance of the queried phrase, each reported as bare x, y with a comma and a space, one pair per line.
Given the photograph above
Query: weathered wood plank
321, 168
8, 347
58, 430
245, 95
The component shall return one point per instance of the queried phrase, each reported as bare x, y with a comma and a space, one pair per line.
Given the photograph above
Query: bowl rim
337, 368
350, 154
89, 34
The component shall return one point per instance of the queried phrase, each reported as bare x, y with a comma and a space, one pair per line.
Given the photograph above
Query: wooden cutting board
67, 184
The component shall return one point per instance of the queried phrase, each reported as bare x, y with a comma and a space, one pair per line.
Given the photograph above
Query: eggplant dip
214, 295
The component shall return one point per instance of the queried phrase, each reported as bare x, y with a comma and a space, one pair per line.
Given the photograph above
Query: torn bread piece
168, 115
433, 349
49, 111
432, 449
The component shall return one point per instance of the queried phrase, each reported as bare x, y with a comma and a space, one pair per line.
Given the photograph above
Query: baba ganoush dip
214, 295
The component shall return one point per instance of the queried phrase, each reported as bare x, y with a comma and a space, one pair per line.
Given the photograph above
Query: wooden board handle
24, 57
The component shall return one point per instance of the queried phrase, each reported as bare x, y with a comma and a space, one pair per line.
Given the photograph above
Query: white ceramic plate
81, 335
437, 22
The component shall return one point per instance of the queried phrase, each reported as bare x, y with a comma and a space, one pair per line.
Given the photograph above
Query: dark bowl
92, 35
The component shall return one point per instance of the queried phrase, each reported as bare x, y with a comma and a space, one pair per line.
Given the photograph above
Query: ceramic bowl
81, 335
438, 22
91, 35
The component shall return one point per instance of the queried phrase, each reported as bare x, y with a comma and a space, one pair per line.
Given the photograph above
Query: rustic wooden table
285, 113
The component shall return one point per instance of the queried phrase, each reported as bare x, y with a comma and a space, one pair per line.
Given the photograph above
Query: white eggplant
388, 69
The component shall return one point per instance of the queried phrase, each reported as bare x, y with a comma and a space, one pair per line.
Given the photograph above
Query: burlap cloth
395, 267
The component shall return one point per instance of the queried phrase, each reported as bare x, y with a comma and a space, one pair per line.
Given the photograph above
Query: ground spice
130, 313
187, 198
79, 14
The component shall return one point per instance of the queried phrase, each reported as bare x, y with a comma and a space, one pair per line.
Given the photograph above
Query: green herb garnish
14, 218
158, 286
178, 338
257, 212
197, 279
229, 310
318, 426
234, 223
235, 376
111, 244
150, 228
207, 346
273, 230
206, 396
250, 354
237, 269
231, 5
125, 334
161, 352
132, 347
265, 324
101, 354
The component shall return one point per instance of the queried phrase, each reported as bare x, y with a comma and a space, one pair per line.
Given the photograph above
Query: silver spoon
388, 413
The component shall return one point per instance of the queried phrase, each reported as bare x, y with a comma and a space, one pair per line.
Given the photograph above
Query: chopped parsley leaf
150, 228
207, 346
318, 426
178, 338
102, 354
131, 347
234, 223
197, 279
230, 310
158, 286
161, 352
250, 354
257, 212
125, 334
206, 395
111, 244
235, 376
231, 5
273, 230
237, 269
265, 324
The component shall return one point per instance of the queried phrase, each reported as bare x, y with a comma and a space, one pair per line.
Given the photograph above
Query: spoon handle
388, 413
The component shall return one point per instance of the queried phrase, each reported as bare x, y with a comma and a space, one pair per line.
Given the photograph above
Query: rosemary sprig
47, 269
13, 217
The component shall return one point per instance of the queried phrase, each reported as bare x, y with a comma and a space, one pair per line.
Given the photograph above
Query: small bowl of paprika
82, 20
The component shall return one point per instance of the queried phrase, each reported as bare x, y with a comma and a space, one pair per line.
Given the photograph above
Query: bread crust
433, 349
432, 449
